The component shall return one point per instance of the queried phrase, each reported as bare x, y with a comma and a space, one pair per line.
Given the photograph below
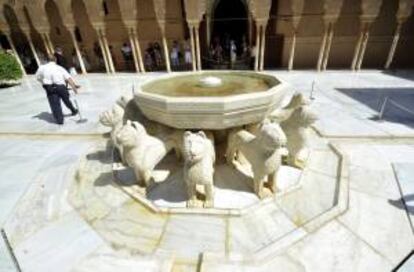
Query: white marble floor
375, 233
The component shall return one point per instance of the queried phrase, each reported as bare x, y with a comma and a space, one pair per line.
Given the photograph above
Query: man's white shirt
51, 73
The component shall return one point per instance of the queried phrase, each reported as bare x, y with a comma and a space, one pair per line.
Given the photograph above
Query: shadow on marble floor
104, 179
374, 98
404, 74
404, 203
45, 116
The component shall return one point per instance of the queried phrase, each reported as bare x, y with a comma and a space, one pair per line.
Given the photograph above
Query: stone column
393, 46
262, 47
134, 51
292, 51
197, 39
328, 47
138, 51
108, 52
193, 57
257, 48
322, 49
250, 22
103, 51
357, 49
49, 42
166, 53
46, 43
13, 48
78, 53
32, 48
208, 29
363, 47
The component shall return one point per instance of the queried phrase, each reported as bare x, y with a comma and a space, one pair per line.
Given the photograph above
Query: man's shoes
75, 112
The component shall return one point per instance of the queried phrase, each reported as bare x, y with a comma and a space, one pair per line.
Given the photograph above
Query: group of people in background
154, 57
222, 51
228, 51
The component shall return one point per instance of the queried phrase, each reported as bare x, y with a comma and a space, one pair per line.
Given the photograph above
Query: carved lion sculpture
296, 128
199, 158
113, 118
280, 115
141, 151
262, 150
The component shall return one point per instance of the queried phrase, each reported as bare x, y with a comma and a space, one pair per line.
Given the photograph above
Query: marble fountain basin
211, 100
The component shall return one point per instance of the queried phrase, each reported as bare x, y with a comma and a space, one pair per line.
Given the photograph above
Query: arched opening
345, 35
89, 47
36, 38
380, 36
59, 35
406, 44
117, 34
230, 23
309, 31
230, 20
19, 40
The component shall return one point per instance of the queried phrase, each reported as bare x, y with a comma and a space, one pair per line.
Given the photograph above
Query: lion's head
112, 117
130, 133
272, 135
303, 117
195, 146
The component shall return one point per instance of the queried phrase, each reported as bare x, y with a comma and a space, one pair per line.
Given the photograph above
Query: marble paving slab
6, 261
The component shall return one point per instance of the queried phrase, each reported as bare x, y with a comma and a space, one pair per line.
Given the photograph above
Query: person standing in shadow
60, 59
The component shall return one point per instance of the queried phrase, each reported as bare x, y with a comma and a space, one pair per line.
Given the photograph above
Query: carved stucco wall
194, 10
370, 10
260, 10
332, 10
37, 14
347, 14
297, 11
405, 9
128, 9
3, 23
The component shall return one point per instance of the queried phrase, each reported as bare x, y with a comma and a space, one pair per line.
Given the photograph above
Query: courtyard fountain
230, 147
238, 113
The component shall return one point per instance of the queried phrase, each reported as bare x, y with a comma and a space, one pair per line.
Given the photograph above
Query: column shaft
49, 42
357, 49
196, 30
262, 46
13, 48
33, 49
45, 43
166, 53
108, 52
78, 53
328, 47
363, 48
193, 58
103, 51
292, 51
134, 52
393, 46
250, 22
257, 48
139, 55
322, 49
208, 30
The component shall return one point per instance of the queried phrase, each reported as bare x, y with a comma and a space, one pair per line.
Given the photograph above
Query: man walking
54, 78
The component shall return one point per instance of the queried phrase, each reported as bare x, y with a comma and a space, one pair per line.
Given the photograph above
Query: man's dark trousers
54, 94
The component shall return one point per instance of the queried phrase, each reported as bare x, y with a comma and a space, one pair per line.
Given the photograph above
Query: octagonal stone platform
128, 220
212, 112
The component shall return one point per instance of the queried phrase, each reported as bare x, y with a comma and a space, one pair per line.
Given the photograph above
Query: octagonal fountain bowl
211, 100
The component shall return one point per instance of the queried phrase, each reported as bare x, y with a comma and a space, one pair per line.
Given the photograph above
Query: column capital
71, 27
